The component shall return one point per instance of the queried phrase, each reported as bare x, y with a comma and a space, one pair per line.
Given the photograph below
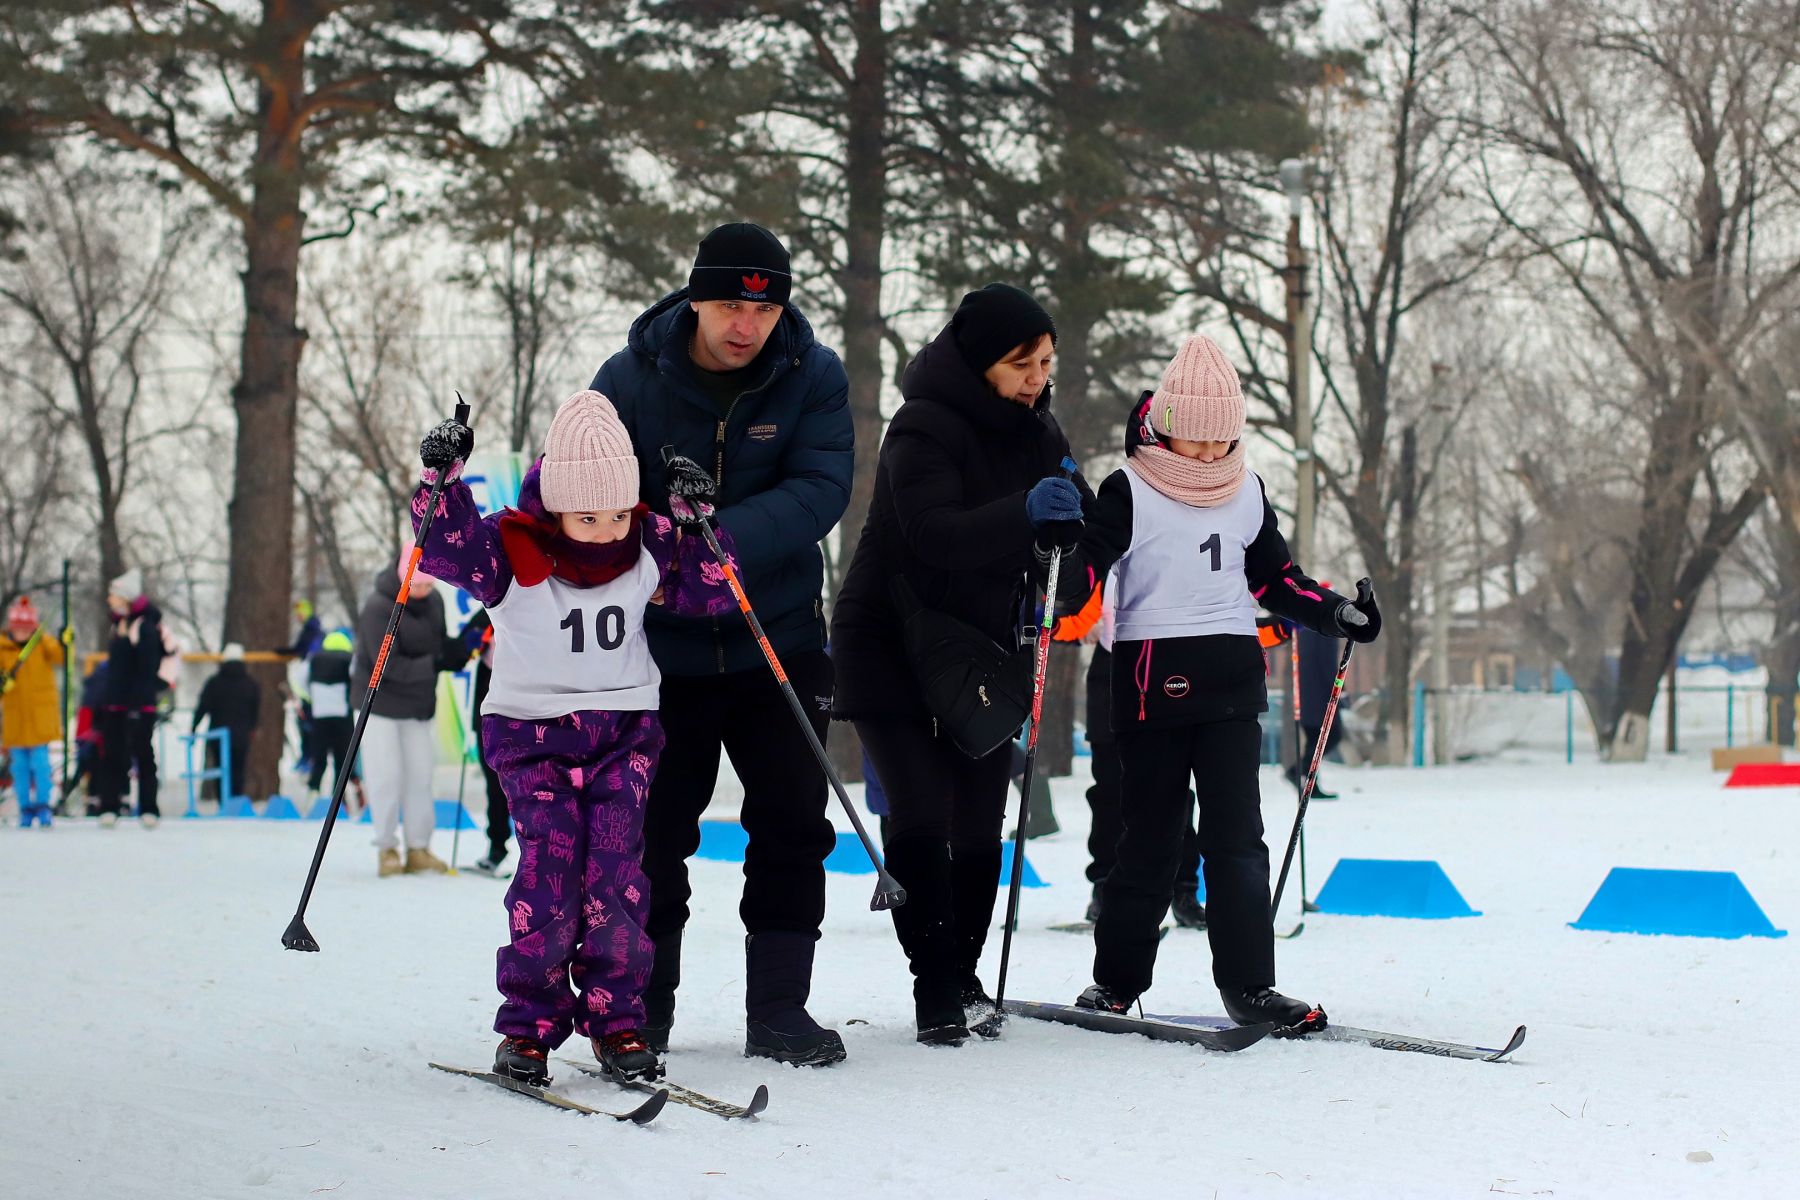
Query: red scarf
538, 549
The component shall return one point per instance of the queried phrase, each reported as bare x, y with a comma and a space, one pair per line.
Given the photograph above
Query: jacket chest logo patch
763, 433
1175, 687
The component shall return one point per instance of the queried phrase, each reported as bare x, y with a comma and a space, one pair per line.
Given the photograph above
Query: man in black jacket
231, 701
728, 373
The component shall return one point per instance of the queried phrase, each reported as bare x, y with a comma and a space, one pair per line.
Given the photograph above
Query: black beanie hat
741, 261
996, 319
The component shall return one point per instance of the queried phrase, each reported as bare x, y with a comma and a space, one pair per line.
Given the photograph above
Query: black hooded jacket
949, 514
230, 699
408, 689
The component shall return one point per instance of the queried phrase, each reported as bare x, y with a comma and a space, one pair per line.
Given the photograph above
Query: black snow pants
1221, 759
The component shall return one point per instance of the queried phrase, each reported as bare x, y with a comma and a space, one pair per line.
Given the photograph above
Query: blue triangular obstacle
725, 841
451, 815
1686, 903
1386, 887
280, 808
320, 807
236, 806
1028, 876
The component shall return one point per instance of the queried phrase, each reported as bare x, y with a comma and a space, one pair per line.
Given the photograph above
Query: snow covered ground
163, 1044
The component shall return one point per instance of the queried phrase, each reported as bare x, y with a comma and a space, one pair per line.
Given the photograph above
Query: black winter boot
974, 891
525, 1059
1187, 910
1254, 1005
779, 979
659, 993
926, 926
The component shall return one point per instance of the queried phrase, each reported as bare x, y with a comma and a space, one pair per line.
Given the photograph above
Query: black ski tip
1513, 1043
648, 1111
298, 937
888, 894
1293, 933
758, 1102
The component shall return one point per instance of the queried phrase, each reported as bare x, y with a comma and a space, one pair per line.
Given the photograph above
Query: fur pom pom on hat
1199, 399
589, 465
22, 613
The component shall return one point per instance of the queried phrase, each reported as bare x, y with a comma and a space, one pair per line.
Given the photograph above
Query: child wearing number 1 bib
1196, 547
570, 722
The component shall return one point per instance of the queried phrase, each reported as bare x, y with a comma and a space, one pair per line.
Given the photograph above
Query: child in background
569, 721
29, 720
1195, 547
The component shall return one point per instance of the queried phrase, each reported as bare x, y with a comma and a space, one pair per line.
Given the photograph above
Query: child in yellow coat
29, 720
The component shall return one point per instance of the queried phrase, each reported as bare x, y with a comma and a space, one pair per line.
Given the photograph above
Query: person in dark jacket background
968, 483
231, 701
328, 690
1318, 672
727, 372
398, 749
127, 716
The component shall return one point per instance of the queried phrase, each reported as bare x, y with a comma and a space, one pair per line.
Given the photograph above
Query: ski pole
1312, 773
297, 936
888, 892
1039, 671
1299, 752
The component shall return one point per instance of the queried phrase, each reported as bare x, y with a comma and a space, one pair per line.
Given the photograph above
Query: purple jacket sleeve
693, 584
463, 548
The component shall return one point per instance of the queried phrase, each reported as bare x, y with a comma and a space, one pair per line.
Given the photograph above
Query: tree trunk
266, 398
866, 175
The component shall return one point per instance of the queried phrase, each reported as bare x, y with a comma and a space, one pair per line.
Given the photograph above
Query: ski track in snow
165, 1045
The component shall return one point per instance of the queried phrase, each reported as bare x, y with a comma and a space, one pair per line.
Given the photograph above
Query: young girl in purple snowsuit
570, 719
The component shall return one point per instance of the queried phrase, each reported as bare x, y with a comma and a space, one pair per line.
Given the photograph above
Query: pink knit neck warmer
1189, 480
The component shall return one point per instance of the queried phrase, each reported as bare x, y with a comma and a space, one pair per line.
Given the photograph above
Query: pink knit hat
1199, 399
589, 465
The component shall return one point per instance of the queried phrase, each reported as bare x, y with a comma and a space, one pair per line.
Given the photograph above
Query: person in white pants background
398, 747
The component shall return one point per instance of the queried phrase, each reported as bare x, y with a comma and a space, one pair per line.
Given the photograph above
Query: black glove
1359, 619
688, 479
449, 442
1060, 535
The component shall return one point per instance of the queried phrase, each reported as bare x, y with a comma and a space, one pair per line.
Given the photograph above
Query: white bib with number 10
560, 649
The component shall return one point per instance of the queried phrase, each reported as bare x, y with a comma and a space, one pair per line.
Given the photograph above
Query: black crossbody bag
979, 692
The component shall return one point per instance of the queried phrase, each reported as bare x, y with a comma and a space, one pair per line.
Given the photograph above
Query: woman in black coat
969, 482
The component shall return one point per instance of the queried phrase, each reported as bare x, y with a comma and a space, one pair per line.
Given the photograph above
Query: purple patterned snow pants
579, 899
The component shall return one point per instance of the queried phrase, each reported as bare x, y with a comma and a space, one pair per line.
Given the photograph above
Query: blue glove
1052, 500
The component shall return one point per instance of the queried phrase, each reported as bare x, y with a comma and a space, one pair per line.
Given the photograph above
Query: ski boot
980, 1014
1255, 1005
1187, 910
489, 866
625, 1056
1101, 998
524, 1059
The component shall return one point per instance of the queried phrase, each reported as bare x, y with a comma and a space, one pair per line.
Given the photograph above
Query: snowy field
163, 1044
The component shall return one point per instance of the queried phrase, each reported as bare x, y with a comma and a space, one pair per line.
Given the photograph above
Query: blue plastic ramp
1386, 887
1685, 903
280, 808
